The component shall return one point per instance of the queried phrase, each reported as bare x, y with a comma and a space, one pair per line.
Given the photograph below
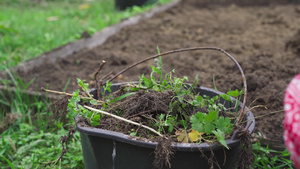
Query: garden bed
263, 37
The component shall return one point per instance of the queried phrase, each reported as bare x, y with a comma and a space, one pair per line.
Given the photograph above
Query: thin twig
126, 120
69, 94
240, 118
98, 83
104, 77
57, 92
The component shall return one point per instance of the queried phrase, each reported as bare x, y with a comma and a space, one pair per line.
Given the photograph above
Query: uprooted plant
161, 106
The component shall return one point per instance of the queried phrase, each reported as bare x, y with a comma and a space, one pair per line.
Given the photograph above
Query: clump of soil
144, 107
151, 102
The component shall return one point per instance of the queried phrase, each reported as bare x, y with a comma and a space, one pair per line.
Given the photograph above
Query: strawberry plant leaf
182, 136
212, 116
220, 137
224, 124
195, 135
209, 128
197, 121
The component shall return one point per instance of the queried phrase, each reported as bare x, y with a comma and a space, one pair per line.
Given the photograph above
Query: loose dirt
265, 40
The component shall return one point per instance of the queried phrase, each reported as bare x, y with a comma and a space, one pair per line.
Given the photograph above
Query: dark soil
264, 39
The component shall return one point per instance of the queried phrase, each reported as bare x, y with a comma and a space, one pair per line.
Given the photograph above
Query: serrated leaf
182, 136
197, 121
221, 137
209, 128
212, 116
224, 124
195, 135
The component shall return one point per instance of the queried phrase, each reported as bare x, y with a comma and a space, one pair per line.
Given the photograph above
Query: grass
269, 158
26, 143
30, 28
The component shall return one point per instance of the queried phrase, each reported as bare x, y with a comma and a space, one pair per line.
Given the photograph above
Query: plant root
163, 154
246, 157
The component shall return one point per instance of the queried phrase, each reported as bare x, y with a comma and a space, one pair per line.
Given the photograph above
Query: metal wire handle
242, 114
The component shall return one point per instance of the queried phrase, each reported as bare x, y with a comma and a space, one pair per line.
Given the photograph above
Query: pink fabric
292, 119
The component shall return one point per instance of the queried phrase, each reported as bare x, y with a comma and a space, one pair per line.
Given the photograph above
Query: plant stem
98, 83
56, 92
69, 94
242, 112
126, 120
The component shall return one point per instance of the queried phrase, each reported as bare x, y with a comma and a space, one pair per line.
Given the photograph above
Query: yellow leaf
182, 136
195, 135
84, 6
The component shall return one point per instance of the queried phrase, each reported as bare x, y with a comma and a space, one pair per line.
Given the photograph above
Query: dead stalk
126, 120
242, 112
98, 83
69, 94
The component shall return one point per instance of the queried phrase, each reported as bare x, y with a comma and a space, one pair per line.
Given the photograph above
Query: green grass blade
9, 163
67, 84
122, 97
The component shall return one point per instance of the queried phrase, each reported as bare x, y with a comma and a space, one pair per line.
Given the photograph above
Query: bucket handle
242, 114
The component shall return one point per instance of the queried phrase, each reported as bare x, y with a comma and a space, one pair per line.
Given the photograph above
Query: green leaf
221, 137
234, 93
209, 128
212, 116
224, 124
94, 102
198, 101
156, 88
108, 85
94, 123
197, 121
122, 97
81, 83
161, 117
184, 123
96, 117
226, 97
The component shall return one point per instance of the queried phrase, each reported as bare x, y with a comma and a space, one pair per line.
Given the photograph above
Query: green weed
26, 141
266, 157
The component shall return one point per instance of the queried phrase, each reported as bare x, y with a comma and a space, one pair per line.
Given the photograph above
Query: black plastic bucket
123, 4
103, 149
